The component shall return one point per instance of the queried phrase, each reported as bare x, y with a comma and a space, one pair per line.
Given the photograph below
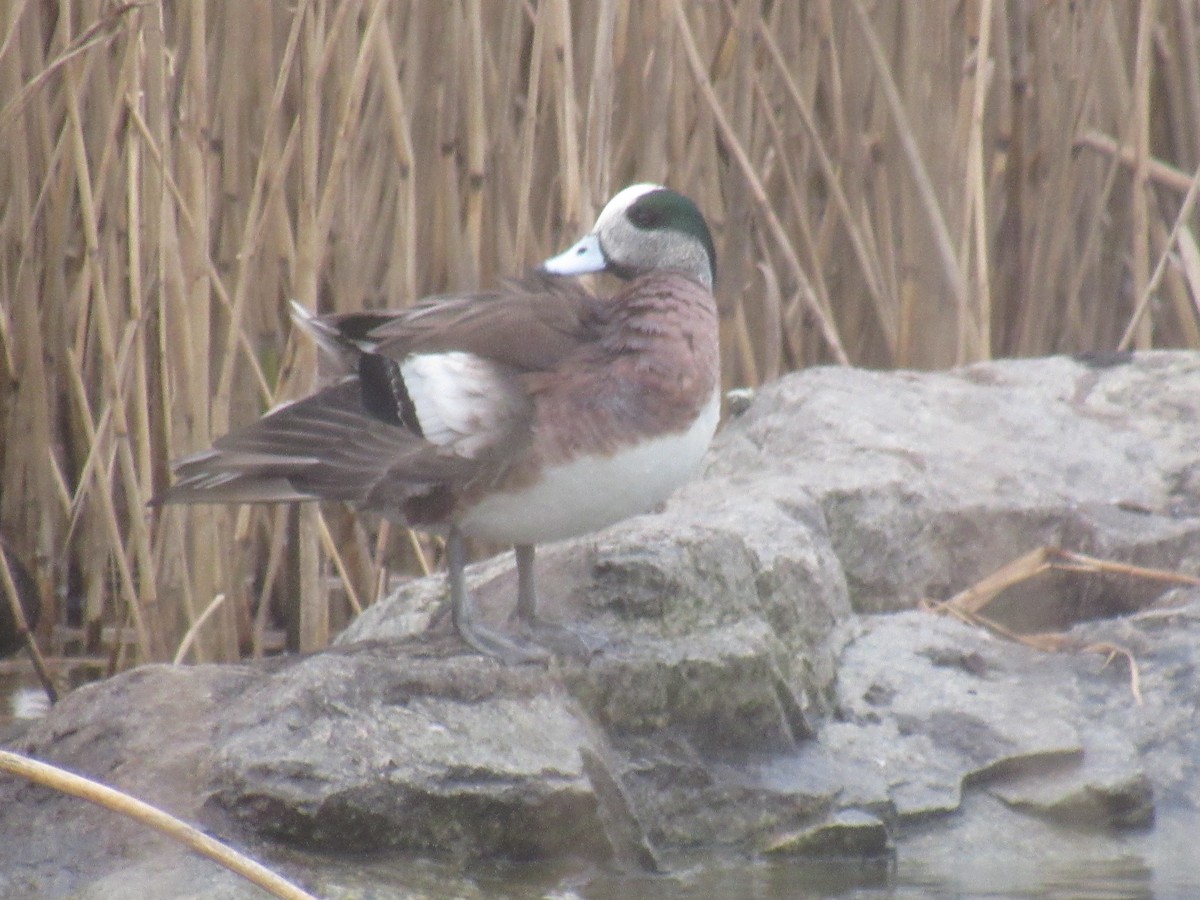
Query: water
21, 697
1124, 880
1153, 865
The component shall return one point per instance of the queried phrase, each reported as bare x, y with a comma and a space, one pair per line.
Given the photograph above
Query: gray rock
764, 683
847, 833
149, 732
928, 481
449, 754
928, 703
1107, 788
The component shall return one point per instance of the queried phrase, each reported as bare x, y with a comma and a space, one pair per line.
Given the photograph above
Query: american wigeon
531, 413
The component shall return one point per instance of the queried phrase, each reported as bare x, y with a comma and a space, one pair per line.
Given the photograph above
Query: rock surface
765, 684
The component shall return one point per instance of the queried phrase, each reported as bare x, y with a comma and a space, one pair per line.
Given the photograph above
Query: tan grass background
891, 183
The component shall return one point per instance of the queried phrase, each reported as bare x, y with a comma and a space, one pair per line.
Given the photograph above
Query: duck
531, 413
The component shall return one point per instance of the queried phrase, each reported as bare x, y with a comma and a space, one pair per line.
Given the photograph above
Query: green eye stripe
666, 209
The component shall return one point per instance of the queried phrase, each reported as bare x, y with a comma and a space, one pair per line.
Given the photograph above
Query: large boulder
764, 683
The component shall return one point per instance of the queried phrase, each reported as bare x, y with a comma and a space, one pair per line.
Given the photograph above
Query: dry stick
979, 620
119, 802
96, 431
1188, 71
101, 32
1095, 564
1135, 675
700, 75
347, 122
14, 18
970, 601
254, 225
773, 339
502, 70
92, 281
278, 530
151, 113
562, 63
1053, 240
339, 563
977, 193
188, 639
190, 224
1055, 643
528, 139
966, 606
1093, 235
1156, 170
108, 512
6, 342
908, 143
477, 138
415, 542
980, 594
744, 344
772, 322
1186, 295
1140, 195
734, 63
35, 655
314, 605
393, 95
1189, 259
169, 546
659, 110
206, 548
1185, 213
139, 312
887, 315
318, 605
597, 141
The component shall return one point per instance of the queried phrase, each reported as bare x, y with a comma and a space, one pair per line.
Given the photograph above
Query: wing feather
326, 446
530, 325
441, 400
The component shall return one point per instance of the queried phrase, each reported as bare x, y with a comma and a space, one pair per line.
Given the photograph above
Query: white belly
592, 492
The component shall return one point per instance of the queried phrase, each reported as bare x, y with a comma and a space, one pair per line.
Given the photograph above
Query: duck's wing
327, 446
530, 324
423, 402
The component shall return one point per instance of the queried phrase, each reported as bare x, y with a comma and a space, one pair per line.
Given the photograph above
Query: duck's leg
486, 640
564, 640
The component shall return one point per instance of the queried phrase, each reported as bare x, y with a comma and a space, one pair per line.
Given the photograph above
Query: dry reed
891, 184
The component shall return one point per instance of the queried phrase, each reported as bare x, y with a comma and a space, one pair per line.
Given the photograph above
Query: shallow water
1126, 876
21, 697
777, 881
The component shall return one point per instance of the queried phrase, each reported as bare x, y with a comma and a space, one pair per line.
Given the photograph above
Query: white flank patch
461, 400
592, 492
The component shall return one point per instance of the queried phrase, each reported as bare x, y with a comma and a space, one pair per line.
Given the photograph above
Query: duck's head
644, 228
